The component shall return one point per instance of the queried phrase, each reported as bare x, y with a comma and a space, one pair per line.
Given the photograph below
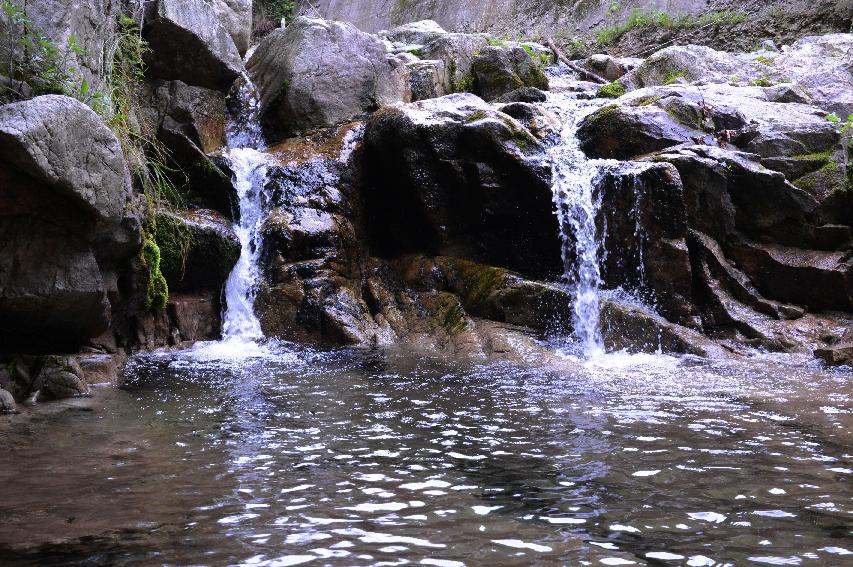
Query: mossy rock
198, 249
498, 71
156, 287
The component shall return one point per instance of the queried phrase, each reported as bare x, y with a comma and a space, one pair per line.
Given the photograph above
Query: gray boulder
317, 73
62, 143
60, 377
66, 219
414, 33
501, 70
7, 402
236, 17
457, 51
188, 43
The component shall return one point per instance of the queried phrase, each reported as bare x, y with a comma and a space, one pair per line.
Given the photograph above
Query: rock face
452, 176
317, 73
188, 43
65, 221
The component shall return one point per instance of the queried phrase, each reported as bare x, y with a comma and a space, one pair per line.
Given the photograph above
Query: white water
578, 205
241, 329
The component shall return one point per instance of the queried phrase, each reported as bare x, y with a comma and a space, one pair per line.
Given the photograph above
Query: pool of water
292, 457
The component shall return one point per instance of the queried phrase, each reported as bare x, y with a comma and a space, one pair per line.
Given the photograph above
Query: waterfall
250, 169
578, 203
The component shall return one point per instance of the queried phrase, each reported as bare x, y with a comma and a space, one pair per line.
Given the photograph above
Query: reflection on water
293, 457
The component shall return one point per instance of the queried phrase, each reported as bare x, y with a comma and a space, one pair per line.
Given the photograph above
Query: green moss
476, 115
762, 82
496, 42
463, 85
764, 60
822, 157
612, 90
480, 282
673, 77
156, 289
646, 100
416, 51
453, 319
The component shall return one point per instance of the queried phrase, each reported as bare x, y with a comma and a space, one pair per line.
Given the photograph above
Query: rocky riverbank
409, 193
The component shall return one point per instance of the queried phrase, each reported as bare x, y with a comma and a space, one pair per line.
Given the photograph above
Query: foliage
673, 77
156, 289
269, 13
764, 81
612, 90
664, 20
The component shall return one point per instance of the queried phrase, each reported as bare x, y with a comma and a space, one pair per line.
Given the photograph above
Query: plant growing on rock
156, 288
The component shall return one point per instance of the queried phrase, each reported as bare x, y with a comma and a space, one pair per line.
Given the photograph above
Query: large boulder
317, 73
236, 17
188, 43
414, 33
500, 70
66, 221
457, 51
454, 176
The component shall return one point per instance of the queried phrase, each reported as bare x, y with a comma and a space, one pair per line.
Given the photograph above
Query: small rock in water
836, 355
7, 402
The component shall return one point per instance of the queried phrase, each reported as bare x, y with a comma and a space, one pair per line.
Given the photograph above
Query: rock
836, 355
503, 296
67, 221
60, 377
541, 123
457, 51
609, 67
7, 402
632, 328
197, 112
819, 280
692, 63
428, 79
523, 94
501, 70
316, 73
198, 249
452, 176
622, 132
42, 137
186, 318
236, 17
414, 33
727, 190
646, 230
188, 43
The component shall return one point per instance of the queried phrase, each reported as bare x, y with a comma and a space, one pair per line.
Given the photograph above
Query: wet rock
60, 377
236, 17
503, 296
692, 63
188, 43
622, 132
198, 249
523, 94
541, 123
501, 70
646, 229
836, 355
317, 73
199, 112
609, 67
453, 176
632, 328
727, 190
819, 280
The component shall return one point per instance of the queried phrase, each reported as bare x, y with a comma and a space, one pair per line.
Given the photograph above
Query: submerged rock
60, 377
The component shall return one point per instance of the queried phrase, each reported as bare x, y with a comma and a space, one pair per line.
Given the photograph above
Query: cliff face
783, 20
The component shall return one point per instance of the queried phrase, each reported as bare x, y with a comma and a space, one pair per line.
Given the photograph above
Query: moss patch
673, 77
612, 90
156, 289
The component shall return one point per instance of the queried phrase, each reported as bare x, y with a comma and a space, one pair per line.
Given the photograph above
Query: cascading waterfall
249, 166
578, 204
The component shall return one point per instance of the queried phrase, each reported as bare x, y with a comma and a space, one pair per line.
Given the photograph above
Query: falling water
578, 204
249, 166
